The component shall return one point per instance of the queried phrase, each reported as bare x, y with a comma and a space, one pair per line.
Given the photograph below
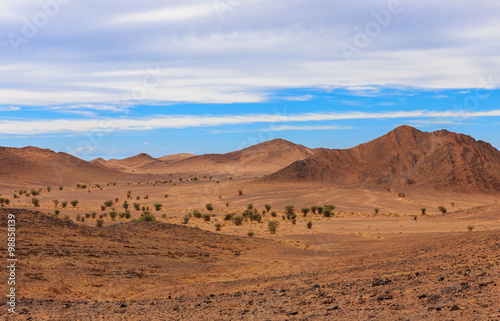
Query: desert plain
409, 229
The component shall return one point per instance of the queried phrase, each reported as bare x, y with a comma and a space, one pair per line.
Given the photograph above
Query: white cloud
35, 127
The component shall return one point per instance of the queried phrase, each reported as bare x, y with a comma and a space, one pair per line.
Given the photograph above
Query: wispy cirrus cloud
104, 125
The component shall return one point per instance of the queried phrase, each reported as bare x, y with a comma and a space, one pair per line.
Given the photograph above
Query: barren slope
43, 166
260, 159
404, 157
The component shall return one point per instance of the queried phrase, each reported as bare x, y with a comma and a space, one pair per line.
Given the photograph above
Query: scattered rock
454, 308
422, 295
293, 313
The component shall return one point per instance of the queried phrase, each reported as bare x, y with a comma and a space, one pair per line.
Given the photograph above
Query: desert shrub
87, 215
108, 203
268, 207
320, 209
35, 202
78, 217
125, 205
250, 206
294, 221
147, 217
227, 204
56, 202
137, 197
305, 210
137, 206
197, 214
99, 222
112, 214
217, 226
66, 217
166, 195
402, 195
240, 192
157, 206
146, 197
423, 209
49, 188
273, 214
229, 216
186, 219
93, 214
121, 215
330, 207
327, 212
442, 209
313, 209
238, 220
209, 207
78, 186
206, 217
116, 199
57, 212
74, 203
250, 233
35, 192
309, 224
376, 210
273, 226
84, 186
127, 215
129, 194
289, 209
470, 228
415, 217
61, 188
143, 208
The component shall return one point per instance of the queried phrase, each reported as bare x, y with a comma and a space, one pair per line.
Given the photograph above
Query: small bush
250, 206
57, 212
415, 217
273, 226
268, 207
320, 209
229, 216
376, 211
49, 188
75, 203
289, 209
238, 220
209, 207
186, 219
108, 203
112, 215
147, 217
402, 195
240, 192
273, 214
304, 211
127, 215
157, 206
309, 225
35, 202
206, 217
61, 188
99, 222
217, 226
442, 209
470, 228
227, 204
327, 212
56, 202
423, 209
125, 205
87, 215
250, 233
313, 209
197, 214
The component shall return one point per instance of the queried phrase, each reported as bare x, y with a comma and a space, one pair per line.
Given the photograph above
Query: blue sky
118, 78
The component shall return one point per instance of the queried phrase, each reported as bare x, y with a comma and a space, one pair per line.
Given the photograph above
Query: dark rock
335, 307
422, 295
454, 308
123, 305
441, 278
380, 297
293, 313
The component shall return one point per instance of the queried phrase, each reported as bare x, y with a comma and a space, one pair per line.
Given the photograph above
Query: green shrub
57, 212
127, 215
229, 216
289, 209
320, 209
197, 214
125, 205
268, 207
108, 203
327, 212
240, 192
250, 233
217, 226
35, 202
61, 188
56, 202
147, 217
186, 219
238, 220
442, 209
273, 214
87, 215
206, 217
273, 226
304, 211
209, 207
313, 209
112, 215
470, 228
157, 206
309, 224
99, 222
49, 188
423, 209
376, 211
250, 206
227, 204
75, 203
137, 206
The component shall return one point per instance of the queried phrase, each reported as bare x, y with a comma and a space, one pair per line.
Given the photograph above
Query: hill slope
260, 159
404, 157
43, 166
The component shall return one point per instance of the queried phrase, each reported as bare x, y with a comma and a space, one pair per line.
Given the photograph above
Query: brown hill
34, 165
404, 157
260, 159
131, 164
175, 157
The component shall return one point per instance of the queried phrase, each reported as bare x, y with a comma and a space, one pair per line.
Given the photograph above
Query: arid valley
404, 227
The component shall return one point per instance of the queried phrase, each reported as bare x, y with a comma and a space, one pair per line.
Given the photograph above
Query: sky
116, 78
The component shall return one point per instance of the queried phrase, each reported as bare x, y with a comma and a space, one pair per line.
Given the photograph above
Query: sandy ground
357, 265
